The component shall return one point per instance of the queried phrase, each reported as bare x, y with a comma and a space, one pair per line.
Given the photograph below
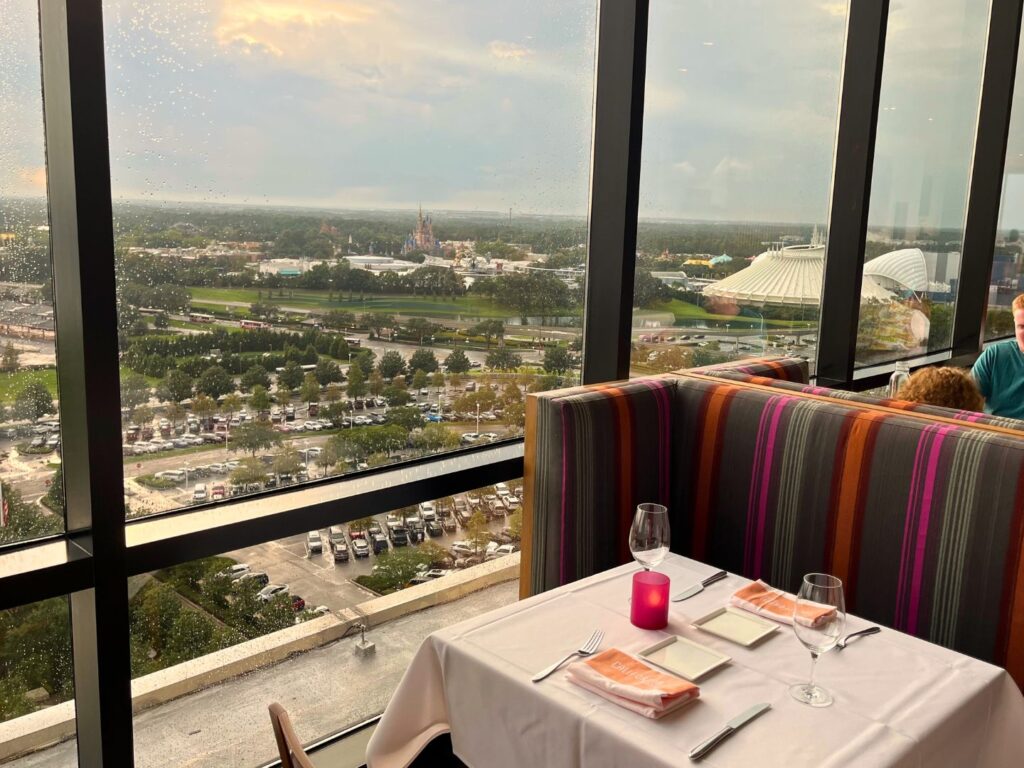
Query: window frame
92, 560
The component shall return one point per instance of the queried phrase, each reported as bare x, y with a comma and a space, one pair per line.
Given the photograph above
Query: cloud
835, 9
685, 167
501, 49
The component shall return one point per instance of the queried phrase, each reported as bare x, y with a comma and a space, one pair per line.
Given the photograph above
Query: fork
586, 649
864, 632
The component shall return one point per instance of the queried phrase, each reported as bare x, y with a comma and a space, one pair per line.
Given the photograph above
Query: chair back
288, 744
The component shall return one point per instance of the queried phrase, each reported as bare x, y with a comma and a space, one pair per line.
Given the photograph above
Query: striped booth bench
920, 514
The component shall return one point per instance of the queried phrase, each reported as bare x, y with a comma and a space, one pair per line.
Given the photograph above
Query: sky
473, 105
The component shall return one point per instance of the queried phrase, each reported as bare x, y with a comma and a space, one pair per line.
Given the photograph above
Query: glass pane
29, 426
37, 685
931, 84
205, 622
739, 130
1008, 261
332, 217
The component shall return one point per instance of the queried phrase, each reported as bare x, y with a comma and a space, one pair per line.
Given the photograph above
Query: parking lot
317, 578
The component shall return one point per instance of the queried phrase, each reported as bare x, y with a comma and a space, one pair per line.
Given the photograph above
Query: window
202, 622
739, 128
1007, 280
345, 236
928, 112
29, 426
36, 676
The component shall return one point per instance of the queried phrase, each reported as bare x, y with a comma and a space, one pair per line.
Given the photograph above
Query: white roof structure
903, 269
790, 276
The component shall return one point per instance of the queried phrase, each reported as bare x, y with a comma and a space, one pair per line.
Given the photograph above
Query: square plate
736, 626
684, 657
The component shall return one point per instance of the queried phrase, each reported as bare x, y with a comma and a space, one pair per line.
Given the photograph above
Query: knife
696, 589
730, 728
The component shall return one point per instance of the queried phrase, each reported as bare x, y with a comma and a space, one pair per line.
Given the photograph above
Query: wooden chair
288, 744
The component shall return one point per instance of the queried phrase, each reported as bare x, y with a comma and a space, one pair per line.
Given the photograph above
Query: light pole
305, 455
478, 418
186, 476
727, 332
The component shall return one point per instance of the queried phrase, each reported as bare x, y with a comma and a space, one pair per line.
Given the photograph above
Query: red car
298, 603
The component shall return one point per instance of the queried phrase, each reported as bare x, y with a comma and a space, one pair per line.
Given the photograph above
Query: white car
468, 438
463, 548
313, 543
271, 591
236, 571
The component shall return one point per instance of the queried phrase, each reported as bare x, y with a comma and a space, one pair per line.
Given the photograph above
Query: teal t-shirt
999, 373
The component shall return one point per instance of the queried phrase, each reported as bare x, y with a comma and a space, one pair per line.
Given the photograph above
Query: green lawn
10, 383
686, 312
420, 306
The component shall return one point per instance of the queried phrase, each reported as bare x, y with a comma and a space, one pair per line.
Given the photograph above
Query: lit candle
649, 606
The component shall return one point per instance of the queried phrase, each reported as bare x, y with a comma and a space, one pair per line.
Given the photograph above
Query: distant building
288, 267
422, 238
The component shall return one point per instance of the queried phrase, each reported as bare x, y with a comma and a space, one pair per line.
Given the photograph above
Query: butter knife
696, 589
730, 728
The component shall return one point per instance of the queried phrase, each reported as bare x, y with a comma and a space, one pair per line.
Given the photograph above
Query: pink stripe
766, 474
908, 519
565, 484
922, 526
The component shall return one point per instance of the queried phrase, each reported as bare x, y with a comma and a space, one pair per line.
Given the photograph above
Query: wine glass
819, 635
649, 535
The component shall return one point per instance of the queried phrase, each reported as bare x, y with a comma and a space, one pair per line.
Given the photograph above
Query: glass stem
814, 661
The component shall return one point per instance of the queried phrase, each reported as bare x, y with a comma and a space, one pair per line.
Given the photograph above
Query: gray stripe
794, 463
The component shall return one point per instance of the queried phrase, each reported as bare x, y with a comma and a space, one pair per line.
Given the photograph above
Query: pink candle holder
649, 607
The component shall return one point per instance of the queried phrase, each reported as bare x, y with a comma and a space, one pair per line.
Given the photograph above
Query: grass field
686, 313
420, 306
10, 383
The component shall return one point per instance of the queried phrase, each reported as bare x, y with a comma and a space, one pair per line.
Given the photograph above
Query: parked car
399, 536
236, 571
271, 591
336, 534
360, 548
462, 548
379, 543
339, 551
199, 492
500, 551
468, 438
261, 578
314, 546
434, 528
427, 511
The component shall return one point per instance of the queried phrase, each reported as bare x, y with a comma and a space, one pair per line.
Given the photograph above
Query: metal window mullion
614, 188
985, 192
851, 190
82, 246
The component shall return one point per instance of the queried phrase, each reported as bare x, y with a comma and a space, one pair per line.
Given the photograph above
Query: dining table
898, 700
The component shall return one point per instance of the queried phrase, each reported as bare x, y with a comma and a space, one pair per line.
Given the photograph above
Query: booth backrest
922, 518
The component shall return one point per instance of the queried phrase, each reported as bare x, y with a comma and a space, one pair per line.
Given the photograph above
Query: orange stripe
529, 488
1014, 648
625, 474
719, 398
850, 492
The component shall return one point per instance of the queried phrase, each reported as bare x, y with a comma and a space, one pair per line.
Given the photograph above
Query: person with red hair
999, 372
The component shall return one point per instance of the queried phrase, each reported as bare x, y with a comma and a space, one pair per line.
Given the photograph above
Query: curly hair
1018, 303
947, 387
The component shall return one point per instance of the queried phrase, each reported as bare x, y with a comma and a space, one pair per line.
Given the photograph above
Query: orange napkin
757, 597
628, 682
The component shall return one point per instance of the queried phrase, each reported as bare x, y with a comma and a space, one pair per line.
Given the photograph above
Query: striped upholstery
857, 397
922, 518
784, 368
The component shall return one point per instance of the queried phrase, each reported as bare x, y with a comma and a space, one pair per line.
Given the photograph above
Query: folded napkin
628, 682
772, 603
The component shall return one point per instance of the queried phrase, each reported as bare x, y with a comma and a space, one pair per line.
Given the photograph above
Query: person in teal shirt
999, 371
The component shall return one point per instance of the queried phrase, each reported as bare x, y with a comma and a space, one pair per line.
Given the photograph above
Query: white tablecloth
899, 701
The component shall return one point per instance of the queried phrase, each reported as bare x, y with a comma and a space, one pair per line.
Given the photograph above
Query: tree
419, 327
423, 360
332, 393
177, 385
648, 289
376, 383
134, 390
364, 358
511, 394
55, 493
515, 415
489, 329
503, 359
310, 389
249, 471
259, 400
515, 524
203, 406
255, 376
254, 436
405, 417
328, 372
215, 382
9, 361
437, 381
356, 381
287, 463
291, 377
142, 414
396, 395
391, 364
557, 359
33, 400
456, 362
26, 521
419, 380
435, 437
477, 532
339, 318
174, 413
232, 404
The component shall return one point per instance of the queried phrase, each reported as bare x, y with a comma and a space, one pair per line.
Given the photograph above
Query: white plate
684, 657
736, 626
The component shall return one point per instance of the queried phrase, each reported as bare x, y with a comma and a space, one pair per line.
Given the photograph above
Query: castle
422, 238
